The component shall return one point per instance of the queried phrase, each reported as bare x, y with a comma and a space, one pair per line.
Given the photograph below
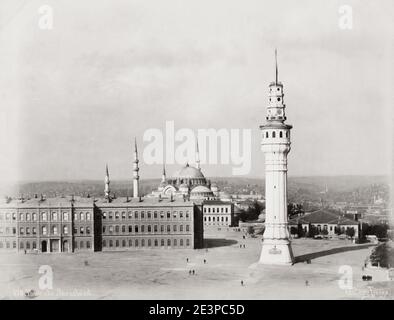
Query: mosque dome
188, 172
201, 189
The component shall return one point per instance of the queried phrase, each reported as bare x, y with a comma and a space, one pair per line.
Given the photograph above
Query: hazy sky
72, 98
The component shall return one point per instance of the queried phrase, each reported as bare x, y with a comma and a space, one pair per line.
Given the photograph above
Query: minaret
136, 177
106, 180
275, 144
163, 176
197, 156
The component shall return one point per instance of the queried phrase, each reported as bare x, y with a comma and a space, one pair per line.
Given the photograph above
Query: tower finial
135, 147
163, 177
276, 67
197, 155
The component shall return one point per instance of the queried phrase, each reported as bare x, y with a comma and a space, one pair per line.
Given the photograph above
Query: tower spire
136, 177
163, 176
197, 155
276, 67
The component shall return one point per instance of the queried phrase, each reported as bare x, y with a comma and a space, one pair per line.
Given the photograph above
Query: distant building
218, 213
324, 219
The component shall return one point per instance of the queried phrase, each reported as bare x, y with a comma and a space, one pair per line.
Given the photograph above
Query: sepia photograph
196, 150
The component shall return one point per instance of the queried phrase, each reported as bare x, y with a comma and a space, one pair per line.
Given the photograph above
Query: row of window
218, 219
141, 228
7, 230
54, 216
216, 210
145, 215
145, 243
274, 134
7, 245
54, 230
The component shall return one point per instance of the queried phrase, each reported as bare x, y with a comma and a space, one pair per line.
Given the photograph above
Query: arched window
142, 228
143, 243
21, 245
87, 216
136, 242
168, 228
81, 216
44, 230
155, 214
88, 244
81, 230
187, 242
123, 215
135, 228
175, 243
136, 214
149, 228
87, 230
27, 216
117, 215
111, 243
130, 229
117, 243
54, 216
34, 245
130, 215
168, 215
273, 134
123, 229
181, 242
168, 243
117, 229
44, 216
65, 230
149, 242
162, 228
22, 217
130, 243
123, 243
155, 228
181, 228
187, 227
174, 228
28, 245
142, 215
156, 243
65, 216
149, 215
280, 134
162, 242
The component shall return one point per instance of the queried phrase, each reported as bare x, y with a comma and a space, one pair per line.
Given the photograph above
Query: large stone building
71, 224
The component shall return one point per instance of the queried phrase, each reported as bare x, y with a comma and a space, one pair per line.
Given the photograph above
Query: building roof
201, 189
323, 216
216, 202
189, 172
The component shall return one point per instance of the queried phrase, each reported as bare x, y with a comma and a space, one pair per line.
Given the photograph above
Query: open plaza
230, 271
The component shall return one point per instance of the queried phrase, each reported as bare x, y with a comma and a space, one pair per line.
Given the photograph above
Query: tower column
275, 144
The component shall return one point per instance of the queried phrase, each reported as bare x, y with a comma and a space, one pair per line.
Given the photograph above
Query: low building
218, 213
325, 222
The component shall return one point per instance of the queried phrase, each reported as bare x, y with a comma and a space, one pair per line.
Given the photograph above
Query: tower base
276, 252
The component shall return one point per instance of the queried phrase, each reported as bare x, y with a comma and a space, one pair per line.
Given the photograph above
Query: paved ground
164, 274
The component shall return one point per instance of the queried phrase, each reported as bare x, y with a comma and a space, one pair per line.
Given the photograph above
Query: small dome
201, 189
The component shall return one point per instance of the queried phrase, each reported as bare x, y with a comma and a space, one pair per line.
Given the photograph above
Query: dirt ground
164, 273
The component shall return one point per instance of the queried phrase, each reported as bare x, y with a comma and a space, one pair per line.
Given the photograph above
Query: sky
74, 96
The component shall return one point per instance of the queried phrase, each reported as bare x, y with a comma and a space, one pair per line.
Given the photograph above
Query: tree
324, 232
312, 231
350, 232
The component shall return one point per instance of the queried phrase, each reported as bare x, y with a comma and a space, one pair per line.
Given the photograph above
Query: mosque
189, 182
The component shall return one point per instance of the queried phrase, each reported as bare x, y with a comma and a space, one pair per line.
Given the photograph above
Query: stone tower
136, 177
275, 143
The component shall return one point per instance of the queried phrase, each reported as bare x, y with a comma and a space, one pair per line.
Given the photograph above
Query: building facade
218, 213
86, 224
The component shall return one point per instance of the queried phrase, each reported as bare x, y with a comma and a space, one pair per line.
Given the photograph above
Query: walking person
242, 283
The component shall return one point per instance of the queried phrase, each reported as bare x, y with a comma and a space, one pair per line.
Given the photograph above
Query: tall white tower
136, 177
275, 144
